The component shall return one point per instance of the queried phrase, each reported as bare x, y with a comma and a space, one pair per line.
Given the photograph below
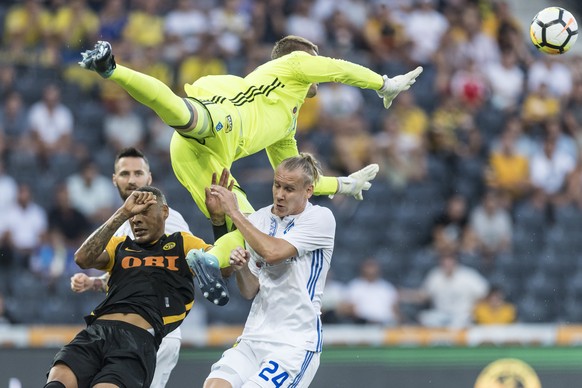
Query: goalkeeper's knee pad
203, 128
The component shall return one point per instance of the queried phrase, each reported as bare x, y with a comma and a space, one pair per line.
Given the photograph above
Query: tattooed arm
92, 252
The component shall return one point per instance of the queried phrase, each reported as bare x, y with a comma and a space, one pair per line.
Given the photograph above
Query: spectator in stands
27, 22
185, 27
205, 60
452, 290
25, 226
549, 168
469, 84
51, 124
382, 308
67, 228
524, 143
508, 169
63, 217
494, 309
145, 25
268, 21
231, 23
565, 144
75, 25
400, 155
424, 27
91, 192
477, 45
539, 105
301, 23
13, 119
343, 37
451, 230
573, 114
341, 108
447, 118
8, 201
506, 82
334, 305
548, 67
123, 127
493, 227
414, 120
384, 36
8, 188
112, 19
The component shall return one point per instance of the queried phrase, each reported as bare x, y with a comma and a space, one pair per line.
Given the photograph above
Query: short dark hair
292, 43
130, 152
155, 191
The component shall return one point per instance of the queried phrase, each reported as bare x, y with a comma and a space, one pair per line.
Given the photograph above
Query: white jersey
174, 223
287, 307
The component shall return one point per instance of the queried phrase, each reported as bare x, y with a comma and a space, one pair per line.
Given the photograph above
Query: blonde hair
307, 164
292, 43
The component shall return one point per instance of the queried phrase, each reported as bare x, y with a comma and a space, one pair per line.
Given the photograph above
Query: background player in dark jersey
150, 293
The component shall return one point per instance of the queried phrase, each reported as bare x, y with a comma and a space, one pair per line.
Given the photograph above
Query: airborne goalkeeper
225, 117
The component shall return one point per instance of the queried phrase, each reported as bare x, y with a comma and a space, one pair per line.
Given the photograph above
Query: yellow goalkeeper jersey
260, 110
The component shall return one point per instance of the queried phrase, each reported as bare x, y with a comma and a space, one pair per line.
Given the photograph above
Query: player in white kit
131, 171
288, 253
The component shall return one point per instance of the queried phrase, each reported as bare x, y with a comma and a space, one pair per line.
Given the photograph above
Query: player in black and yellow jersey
150, 293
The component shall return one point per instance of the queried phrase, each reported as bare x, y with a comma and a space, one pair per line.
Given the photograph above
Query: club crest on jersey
228, 124
169, 246
219, 126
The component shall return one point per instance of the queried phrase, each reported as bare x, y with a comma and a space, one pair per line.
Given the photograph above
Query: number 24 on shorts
268, 373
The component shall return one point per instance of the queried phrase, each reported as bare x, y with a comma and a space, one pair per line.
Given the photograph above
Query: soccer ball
553, 30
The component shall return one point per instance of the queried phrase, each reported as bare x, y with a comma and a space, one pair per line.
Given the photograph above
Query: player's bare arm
248, 283
81, 282
92, 252
272, 249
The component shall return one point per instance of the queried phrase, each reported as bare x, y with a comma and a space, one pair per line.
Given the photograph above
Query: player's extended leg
186, 116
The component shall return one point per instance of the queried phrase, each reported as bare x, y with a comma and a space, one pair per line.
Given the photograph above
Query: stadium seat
59, 310
345, 263
568, 217
571, 310
534, 310
545, 287
423, 260
24, 310
530, 218
24, 284
393, 266
511, 284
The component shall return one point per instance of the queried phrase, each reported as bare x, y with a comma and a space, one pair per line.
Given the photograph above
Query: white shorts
166, 360
263, 364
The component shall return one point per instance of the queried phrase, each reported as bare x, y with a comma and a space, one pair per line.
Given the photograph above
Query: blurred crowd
473, 218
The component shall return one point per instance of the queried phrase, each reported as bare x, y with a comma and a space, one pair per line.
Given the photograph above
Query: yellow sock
153, 93
225, 244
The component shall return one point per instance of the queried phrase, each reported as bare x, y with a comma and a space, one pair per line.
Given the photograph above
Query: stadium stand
542, 272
